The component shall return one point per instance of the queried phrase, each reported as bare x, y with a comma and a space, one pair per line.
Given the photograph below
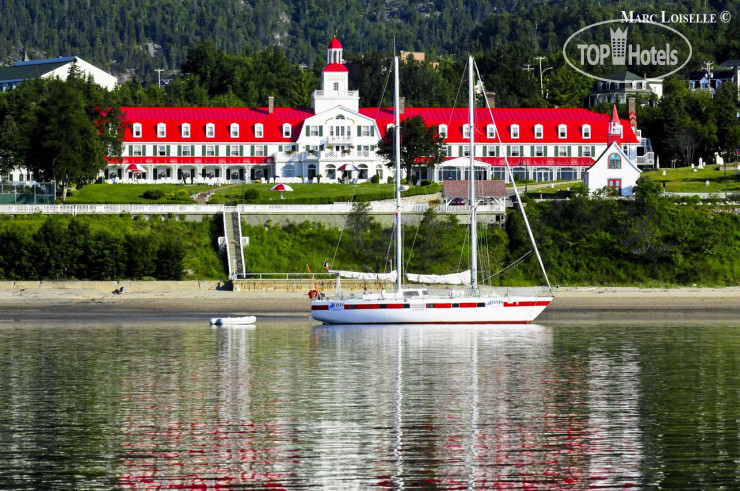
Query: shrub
180, 195
251, 195
152, 194
389, 180
375, 179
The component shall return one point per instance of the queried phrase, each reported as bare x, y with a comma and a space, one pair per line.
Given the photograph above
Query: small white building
614, 170
12, 76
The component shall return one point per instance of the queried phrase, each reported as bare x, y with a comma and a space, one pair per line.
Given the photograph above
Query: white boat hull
430, 310
233, 321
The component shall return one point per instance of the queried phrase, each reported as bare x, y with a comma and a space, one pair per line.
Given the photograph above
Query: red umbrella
281, 187
134, 168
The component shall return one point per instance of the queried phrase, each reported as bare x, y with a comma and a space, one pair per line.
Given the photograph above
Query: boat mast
473, 204
397, 140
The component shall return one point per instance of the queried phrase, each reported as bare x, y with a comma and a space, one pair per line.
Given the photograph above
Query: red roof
526, 119
335, 44
335, 67
220, 117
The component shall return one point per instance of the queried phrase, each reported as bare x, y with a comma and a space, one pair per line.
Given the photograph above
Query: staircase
231, 243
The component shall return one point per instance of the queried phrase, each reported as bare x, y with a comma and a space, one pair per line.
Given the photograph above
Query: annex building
336, 140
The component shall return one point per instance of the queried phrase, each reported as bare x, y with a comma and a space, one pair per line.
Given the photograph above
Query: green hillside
135, 37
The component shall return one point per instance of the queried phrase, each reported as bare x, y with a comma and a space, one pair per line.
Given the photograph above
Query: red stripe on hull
527, 304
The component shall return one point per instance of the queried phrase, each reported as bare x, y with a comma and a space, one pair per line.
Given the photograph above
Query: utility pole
539, 59
159, 76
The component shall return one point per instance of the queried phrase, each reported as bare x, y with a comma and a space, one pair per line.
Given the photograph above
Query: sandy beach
182, 300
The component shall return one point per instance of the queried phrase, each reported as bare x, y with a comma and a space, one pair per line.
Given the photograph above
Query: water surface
292, 404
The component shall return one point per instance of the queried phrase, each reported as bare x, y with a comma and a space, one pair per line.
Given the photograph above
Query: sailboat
407, 305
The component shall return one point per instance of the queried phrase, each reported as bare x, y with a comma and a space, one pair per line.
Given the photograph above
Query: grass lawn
126, 194
685, 180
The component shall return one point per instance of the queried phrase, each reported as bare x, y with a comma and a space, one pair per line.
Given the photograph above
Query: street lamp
539, 59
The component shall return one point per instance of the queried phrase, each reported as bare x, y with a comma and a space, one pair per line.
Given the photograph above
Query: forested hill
137, 36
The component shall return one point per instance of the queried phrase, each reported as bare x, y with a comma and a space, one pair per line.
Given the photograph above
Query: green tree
420, 145
726, 108
170, 260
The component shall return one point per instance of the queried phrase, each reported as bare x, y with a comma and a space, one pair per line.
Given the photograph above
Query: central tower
335, 83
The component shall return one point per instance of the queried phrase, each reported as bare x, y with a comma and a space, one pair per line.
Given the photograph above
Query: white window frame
515, 151
466, 150
185, 130
161, 150
136, 151
442, 131
136, 130
233, 150
539, 131
562, 131
259, 151
210, 130
562, 150
287, 130
210, 151
313, 130
514, 131
259, 130
491, 131
186, 151
539, 151
586, 151
161, 130
586, 131
234, 130
466, 131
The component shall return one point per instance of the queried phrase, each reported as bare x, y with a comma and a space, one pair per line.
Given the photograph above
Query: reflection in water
291, 405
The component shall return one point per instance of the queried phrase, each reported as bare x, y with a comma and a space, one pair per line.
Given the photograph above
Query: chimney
491, 97
401, 104
270, 104
632, 114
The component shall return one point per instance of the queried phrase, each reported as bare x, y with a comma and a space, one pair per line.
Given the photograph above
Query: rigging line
344, 224
528, 253
457, 96
411, 251
390, 246
462, 248
382, 95
516, 191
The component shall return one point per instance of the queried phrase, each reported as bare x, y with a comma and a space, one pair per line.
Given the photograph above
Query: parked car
457, 202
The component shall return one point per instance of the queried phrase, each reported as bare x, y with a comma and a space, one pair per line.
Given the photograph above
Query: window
336, 85
466, 131
210, 130
443, 131
365, 131
562, 131
539, 151
466, 150
491, 131
258, 130
161, 130
562, 151
234, 130
286, 130
210, 150
615, 186
515, 151
586, 131
161, 150
491, 150
514, 131
587, 151
259, 150
233, 150
136, 151
538, 131
136, 129
185, 130
615, 162
313, 131
186, 151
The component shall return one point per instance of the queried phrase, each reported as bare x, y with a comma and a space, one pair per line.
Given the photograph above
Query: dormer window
491, 131
586, 131
286, 130
443, 131
466, 131
538, 131
136, 130
161, 130
210, 130
258, 130
185, 130
514, 131
234, 130
562, 131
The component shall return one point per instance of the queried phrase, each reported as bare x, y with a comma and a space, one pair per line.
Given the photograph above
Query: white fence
381, 208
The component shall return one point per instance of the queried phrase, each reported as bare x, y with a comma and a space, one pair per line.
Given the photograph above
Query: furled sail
462, 278
359, 275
